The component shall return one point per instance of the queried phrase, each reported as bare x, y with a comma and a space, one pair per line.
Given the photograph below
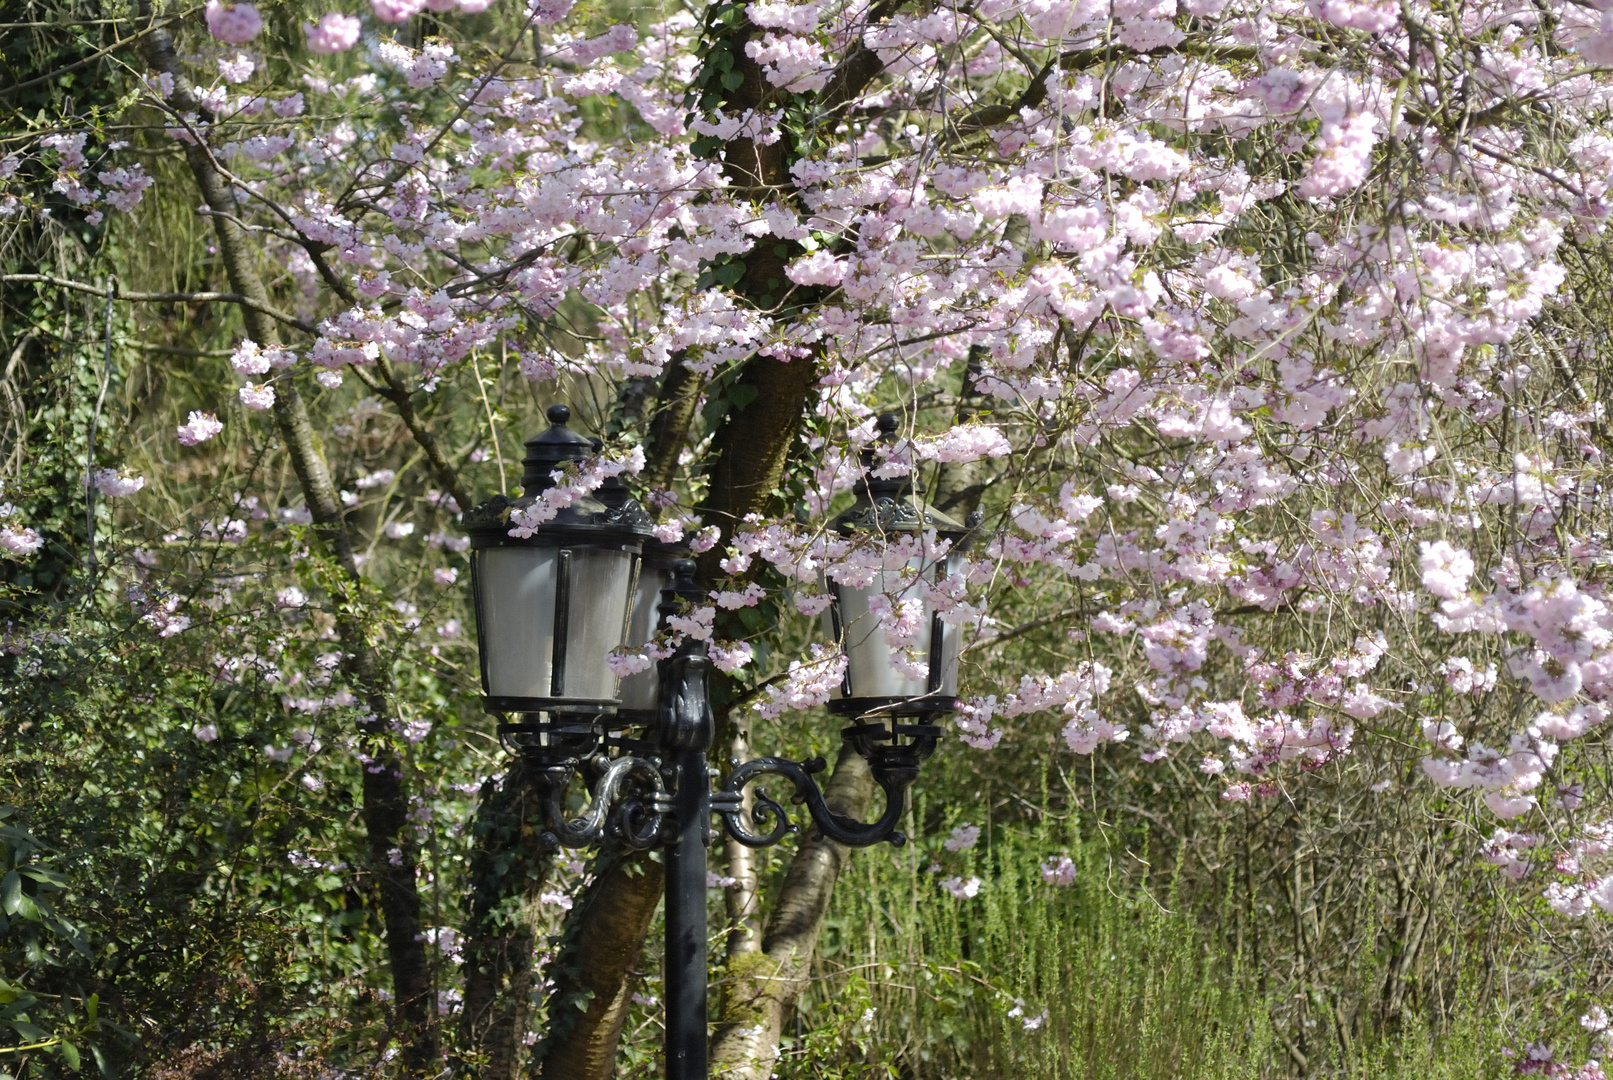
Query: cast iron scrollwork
629, 803
769, 822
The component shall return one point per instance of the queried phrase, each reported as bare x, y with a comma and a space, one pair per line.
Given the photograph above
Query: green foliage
37, 947
1103, 979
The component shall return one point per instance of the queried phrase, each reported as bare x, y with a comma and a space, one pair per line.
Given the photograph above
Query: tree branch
252, 303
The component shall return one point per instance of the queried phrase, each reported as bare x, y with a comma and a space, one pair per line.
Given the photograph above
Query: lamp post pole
556, 590
684, 968
686, 730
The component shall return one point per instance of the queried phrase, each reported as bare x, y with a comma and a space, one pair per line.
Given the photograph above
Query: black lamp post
549, 608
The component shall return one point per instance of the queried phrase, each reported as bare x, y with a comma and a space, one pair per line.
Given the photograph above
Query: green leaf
742, 395
27, 1031
11, 897
47, 877
732, 80
70, 1053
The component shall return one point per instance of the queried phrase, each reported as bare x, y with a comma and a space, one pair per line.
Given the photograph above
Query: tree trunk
742, 898
763, 987
385, 805
603, 938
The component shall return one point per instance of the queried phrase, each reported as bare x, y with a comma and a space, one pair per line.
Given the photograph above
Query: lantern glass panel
516, 610
601, 581
874, 669
524, 592
640, 691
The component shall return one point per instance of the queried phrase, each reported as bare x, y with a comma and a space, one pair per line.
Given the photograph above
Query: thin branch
167, 297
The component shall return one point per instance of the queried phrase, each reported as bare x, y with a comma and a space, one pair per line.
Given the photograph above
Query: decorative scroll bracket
629, 802
769, 822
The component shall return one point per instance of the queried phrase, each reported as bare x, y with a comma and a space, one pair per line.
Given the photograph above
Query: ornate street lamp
552, 605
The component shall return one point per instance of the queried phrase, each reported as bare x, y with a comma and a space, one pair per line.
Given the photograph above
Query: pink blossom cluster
115, 484
198, 428
233, 23
334, 33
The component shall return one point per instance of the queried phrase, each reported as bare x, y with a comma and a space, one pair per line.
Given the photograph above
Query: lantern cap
892, 504
545, 451
610, 509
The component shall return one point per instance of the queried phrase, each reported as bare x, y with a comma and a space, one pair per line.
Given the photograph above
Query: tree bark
676, 403
603, 938
742, 898
385, 804
764, 986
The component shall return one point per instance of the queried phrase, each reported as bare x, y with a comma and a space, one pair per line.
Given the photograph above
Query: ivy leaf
11, 897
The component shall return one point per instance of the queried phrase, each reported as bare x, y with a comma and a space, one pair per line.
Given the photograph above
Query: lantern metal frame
656, 790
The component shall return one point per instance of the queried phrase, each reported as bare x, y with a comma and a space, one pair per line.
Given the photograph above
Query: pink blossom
1374, 16
1597, 48
816, 268
237, 69
334, 33
234, 23
396, 11
774, 14
963, 838
1344, 154
1446, 569
255, 396
622, 665
731, 656
420, 69
19, 540
114, 484
798, 63
962, 888
199, 428
1059, 870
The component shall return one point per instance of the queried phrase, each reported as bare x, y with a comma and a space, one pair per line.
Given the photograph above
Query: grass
1097, 980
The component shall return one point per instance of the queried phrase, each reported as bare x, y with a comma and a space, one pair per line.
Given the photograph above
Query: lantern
551, 606
916, 674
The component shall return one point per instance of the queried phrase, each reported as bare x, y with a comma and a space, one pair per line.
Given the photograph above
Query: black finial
887, 504
683, 593
874, 487
683, 571
546, 451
